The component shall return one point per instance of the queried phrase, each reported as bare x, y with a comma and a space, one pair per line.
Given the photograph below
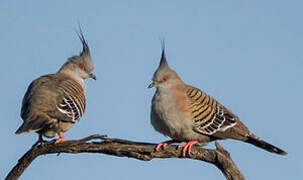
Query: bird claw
187, 147
164, 144
61, 138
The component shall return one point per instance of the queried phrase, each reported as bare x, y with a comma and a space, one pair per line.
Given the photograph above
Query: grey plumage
185, 113
54, 102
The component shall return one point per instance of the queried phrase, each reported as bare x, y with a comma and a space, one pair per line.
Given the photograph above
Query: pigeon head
164, 76
80, 65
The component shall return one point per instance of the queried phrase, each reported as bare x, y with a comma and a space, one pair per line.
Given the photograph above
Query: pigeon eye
164, 78
81, 66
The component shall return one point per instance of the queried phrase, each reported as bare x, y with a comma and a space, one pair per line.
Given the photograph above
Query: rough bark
123, 148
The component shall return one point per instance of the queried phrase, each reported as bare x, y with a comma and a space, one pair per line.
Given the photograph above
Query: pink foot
187, 147
164, 144
61, 138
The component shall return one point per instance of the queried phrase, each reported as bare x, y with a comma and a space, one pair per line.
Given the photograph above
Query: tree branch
123, 148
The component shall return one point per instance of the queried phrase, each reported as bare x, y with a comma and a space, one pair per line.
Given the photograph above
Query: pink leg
61, 138
164, 144
188, 146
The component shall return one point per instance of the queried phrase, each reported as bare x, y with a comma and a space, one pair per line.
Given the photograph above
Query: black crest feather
85, 50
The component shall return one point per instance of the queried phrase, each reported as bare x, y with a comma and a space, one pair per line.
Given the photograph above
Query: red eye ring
81, 66
164, 78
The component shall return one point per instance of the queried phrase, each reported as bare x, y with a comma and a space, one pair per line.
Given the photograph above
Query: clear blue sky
246, 54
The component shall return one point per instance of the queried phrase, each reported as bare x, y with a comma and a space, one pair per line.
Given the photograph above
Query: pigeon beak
93, 76
153, 84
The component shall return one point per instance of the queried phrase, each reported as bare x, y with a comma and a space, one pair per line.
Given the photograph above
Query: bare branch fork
123, 148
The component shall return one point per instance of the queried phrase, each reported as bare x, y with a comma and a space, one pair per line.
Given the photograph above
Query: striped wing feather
73, 101
208, 115
53, 96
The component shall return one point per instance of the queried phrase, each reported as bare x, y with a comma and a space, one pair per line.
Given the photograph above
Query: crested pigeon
54, 102
187, 114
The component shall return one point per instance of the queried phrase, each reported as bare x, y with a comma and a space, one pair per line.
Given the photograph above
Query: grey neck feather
69, 70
